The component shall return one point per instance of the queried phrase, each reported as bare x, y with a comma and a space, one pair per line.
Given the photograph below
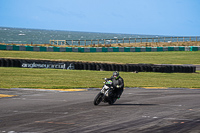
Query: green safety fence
98, 49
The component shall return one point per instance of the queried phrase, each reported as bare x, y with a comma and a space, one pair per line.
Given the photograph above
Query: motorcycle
106, 94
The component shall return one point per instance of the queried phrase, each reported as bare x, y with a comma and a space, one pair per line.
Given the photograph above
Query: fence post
104, 42
135, 40
177, 39
85, 43
72, 42
129, 41
183, 39
79, 42
117, 41
123, 40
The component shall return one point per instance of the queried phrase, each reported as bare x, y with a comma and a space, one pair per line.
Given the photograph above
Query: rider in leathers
117, 83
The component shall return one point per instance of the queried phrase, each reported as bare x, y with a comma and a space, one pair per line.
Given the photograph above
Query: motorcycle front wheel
98, 98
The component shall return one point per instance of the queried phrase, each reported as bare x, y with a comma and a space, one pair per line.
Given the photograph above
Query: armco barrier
98, 66
97, 49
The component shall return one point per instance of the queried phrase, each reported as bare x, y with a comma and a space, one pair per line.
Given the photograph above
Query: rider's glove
117, 86
105, 79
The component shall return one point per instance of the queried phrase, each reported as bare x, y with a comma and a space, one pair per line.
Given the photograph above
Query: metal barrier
124, 41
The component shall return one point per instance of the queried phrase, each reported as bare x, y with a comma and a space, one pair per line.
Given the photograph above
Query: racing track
138, 110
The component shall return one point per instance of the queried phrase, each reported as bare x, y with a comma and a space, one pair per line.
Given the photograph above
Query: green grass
64, 79
173, 57
54, 78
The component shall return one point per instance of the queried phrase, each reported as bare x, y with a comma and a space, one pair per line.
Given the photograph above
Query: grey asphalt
137, 111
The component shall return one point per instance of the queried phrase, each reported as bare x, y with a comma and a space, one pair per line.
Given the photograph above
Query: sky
147, 17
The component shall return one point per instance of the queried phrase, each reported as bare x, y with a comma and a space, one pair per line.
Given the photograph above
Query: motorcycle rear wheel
98, 98
111, 102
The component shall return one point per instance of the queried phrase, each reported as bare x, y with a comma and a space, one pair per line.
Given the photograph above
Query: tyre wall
98, 66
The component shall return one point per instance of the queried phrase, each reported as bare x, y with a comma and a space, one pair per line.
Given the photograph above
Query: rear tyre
112, 101
98, 98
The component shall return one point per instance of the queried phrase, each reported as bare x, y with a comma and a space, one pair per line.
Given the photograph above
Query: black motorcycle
106, 94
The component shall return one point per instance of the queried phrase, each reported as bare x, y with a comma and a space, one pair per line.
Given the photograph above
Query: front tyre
98, 98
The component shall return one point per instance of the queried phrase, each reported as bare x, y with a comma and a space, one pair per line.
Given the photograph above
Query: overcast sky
151, 17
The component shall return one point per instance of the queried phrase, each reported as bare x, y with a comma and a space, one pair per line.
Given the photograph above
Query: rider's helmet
116, 74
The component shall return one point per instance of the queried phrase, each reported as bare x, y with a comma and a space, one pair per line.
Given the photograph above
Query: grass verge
65, 79
173, 57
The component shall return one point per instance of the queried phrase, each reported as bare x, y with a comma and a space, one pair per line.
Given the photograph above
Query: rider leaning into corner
117, 83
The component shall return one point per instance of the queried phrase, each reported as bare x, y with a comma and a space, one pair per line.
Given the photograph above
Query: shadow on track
129, 104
